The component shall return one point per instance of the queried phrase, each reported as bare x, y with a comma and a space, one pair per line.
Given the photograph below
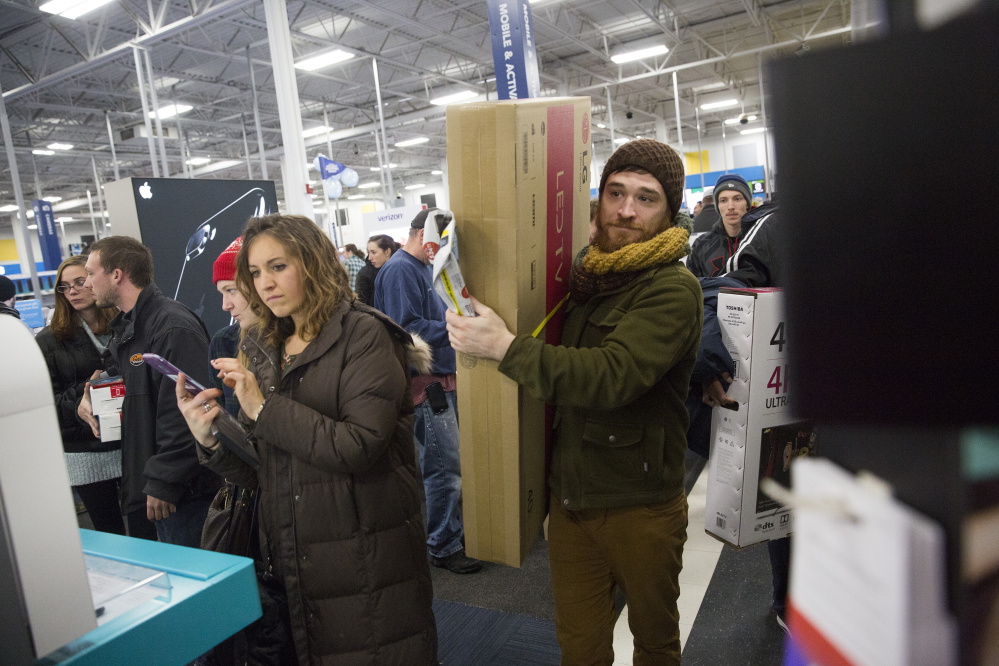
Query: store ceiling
60, 77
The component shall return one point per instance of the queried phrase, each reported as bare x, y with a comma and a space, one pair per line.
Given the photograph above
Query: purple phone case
234, 433
157, 362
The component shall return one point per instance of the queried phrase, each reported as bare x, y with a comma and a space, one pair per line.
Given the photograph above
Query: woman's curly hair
324, 279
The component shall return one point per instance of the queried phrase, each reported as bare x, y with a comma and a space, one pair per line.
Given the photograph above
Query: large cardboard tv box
762, 437
519, 181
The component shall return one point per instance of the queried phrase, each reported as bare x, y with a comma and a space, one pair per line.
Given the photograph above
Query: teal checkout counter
210, 597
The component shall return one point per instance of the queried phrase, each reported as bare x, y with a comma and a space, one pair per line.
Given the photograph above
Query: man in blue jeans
404, 291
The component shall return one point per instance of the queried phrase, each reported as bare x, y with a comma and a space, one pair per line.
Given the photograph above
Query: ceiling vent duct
138, 133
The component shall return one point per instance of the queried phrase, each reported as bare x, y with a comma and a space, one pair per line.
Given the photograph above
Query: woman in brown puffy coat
327, 396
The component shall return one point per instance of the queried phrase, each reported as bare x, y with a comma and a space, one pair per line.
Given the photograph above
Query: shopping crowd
340, 371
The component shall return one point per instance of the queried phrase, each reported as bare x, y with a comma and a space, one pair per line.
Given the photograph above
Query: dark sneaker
458, 563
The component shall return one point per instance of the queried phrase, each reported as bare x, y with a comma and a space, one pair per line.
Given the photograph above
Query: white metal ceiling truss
60, 77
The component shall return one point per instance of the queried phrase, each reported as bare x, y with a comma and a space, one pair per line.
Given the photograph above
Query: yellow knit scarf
664, 248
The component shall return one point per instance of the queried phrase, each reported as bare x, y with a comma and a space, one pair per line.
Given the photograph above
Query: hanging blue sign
48, 237
514, 56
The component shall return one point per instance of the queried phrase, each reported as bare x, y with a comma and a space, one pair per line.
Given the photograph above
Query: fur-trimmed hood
421, 357
418, 351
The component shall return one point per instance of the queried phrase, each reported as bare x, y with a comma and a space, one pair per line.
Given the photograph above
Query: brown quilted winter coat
340, 487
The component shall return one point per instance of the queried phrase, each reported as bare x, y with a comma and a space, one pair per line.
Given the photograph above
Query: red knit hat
224, 267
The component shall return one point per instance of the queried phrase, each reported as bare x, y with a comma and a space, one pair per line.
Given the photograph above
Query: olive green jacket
619, 381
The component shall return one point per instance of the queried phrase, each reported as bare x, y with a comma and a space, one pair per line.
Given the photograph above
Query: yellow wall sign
695, 165
8, 250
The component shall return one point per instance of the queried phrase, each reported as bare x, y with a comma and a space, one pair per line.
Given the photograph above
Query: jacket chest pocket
600, 323
138, 380
615, 455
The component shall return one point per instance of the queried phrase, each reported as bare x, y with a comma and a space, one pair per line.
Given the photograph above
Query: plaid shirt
353, 266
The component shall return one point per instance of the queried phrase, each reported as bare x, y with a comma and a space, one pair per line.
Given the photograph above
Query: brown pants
639, 549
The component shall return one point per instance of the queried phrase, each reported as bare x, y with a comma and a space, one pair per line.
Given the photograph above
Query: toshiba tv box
762, 437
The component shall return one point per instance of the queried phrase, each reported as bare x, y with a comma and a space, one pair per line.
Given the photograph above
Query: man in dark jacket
713, 249
161, 476
759, 263
8, 294
705, 218
405, 292
618, 512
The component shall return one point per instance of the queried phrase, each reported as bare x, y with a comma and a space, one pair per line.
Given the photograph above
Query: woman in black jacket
74, 346
380, 249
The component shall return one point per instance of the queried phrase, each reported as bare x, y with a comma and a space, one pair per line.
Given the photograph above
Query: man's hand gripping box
761, 438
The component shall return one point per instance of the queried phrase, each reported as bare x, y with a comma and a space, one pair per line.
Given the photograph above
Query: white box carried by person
107, 395
110, 425
760, 438
106, 398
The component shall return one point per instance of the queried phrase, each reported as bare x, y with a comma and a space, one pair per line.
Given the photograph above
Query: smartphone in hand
159, 363
231, 433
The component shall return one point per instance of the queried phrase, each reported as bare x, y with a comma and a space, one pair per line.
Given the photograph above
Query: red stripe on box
560, 144
812, 642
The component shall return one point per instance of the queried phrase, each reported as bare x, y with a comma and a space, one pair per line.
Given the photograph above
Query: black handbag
231, 524
231, 527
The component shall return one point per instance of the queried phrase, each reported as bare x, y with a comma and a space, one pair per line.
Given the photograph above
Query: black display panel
886, 153
187, 223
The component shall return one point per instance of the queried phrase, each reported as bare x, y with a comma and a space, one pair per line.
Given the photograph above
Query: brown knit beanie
658, 159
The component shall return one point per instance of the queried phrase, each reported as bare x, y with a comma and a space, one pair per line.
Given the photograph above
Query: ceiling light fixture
72, 9
601, 126
436, 172
736, 121
621, 139
65, 218
415, 187
226, 164
32, 226
639, 54
456, 97
357, 196
198, 161
375, 168
721, 104
53, 199
366, 186
412, 142
170, 110
323, 60
8, 209
717, 85
60, 146
755, 130
315, 131
38, 151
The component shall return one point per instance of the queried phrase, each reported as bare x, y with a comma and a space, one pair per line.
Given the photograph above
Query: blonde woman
327, 397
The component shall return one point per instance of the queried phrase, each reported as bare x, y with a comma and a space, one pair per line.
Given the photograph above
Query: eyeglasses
76, 284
